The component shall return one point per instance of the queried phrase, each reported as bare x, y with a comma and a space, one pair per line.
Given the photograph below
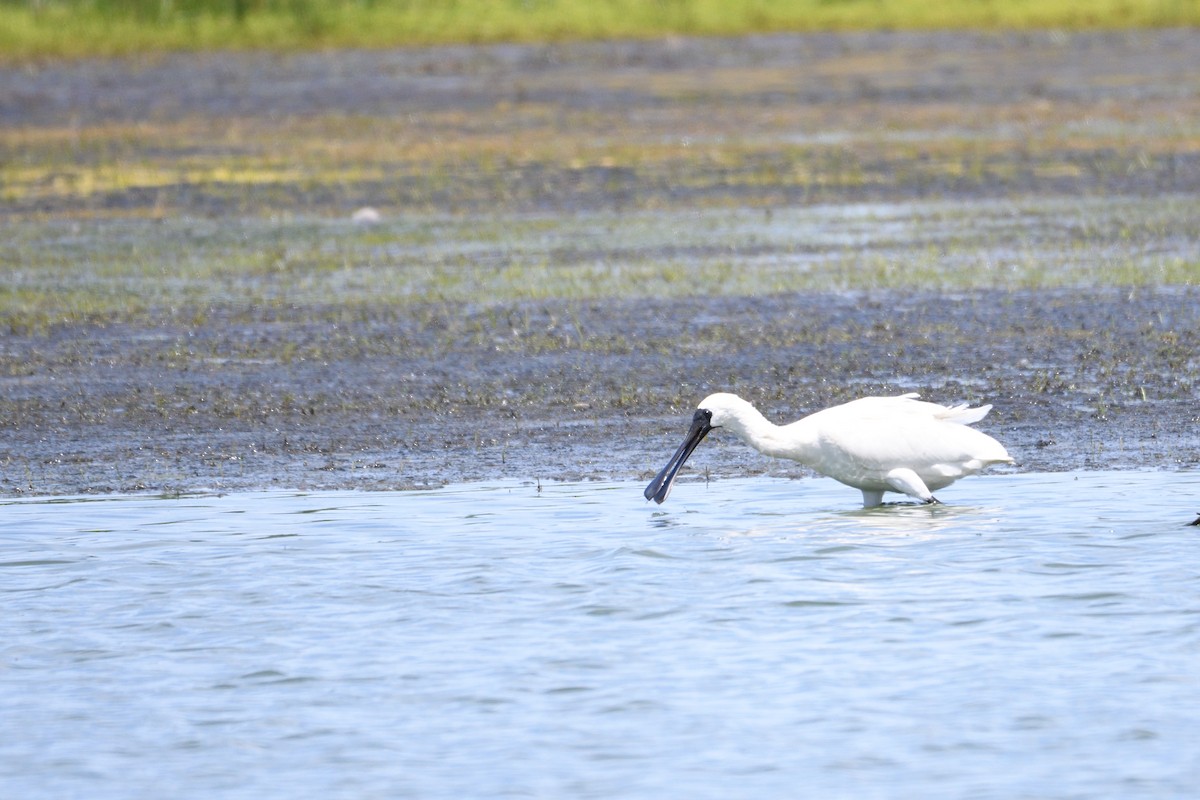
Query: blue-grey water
1037, 637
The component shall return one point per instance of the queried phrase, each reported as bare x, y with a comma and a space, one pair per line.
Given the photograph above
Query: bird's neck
770, 439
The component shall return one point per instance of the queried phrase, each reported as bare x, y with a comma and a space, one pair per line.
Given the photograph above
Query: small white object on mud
366, 216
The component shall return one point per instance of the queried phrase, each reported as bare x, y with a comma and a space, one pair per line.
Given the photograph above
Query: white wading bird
876, 444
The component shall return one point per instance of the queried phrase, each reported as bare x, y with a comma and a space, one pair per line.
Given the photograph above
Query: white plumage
876, 444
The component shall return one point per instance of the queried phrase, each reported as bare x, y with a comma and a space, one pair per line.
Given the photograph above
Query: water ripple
747, 638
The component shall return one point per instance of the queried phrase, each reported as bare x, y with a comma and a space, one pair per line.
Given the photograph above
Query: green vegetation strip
31, 29
66, 272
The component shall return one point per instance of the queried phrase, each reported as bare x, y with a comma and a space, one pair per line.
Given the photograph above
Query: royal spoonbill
875, 444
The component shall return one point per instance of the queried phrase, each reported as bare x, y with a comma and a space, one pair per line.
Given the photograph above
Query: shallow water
1039, 637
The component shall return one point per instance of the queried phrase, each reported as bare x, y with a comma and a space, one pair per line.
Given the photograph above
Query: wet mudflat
578, 242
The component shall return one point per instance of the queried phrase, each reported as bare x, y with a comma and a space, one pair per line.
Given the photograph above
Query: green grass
32, 29
142, 271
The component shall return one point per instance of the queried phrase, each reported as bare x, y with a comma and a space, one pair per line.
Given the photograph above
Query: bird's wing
906, 405
926, 438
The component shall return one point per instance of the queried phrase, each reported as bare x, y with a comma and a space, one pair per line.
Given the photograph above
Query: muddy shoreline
1079, 380
227, 393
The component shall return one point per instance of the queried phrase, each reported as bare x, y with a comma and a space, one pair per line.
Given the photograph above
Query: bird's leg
872, 498
904, 480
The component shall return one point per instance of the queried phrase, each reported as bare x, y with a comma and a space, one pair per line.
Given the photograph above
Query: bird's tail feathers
964, 414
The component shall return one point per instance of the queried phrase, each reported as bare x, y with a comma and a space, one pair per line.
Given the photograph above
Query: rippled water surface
751, 638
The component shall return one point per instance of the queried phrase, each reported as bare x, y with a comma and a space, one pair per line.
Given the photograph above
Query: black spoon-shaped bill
660, 487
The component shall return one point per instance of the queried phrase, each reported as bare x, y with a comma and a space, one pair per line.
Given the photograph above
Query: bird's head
726, 410
715, 411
